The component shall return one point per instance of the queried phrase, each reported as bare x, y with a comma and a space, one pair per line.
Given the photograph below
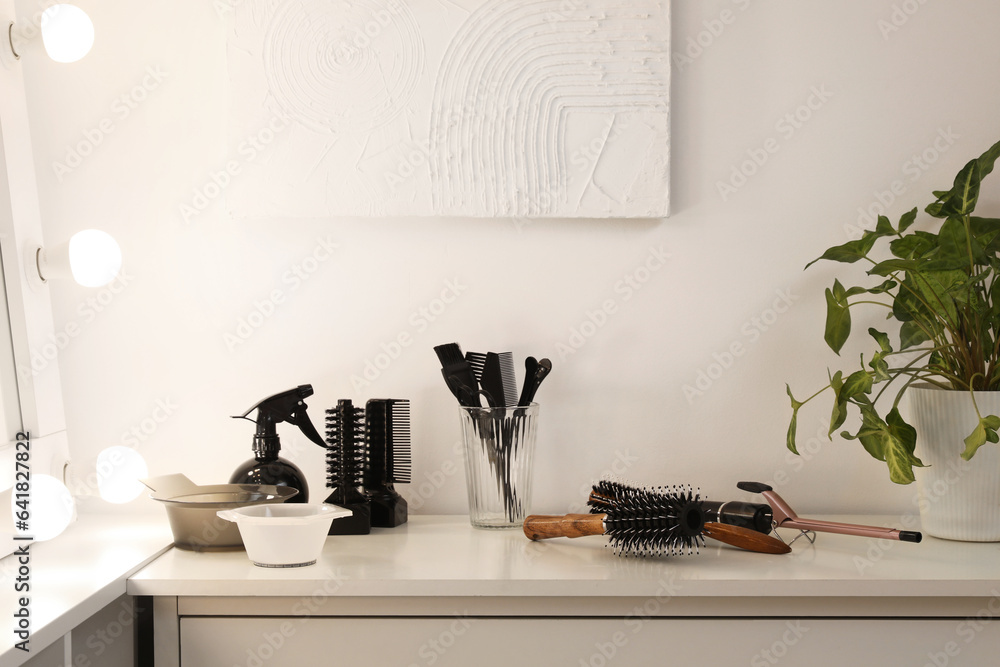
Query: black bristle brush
721, 525
346, 454
387, 430
458, 375
638, 522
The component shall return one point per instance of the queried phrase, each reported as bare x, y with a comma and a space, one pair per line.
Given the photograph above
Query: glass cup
499, 449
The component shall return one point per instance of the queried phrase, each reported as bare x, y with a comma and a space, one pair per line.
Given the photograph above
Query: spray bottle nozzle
287, 406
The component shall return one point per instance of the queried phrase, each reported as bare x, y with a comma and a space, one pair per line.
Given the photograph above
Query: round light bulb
50, 508
119, 470
94, 257
67, 33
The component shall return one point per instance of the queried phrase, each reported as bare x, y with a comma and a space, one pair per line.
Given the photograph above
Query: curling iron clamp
784, 516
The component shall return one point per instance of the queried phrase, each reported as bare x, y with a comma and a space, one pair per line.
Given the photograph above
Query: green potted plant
939, 286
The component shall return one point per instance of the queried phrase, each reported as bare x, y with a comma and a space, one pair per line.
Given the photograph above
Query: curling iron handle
541, 527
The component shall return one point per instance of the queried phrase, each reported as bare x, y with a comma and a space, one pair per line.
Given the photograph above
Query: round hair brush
637, 521
729, 527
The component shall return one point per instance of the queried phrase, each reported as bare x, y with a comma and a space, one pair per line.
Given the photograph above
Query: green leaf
880, 368
937, 289
854, 291
869, 433
907, 219
879, 289
911, 334
900, 444
961, 199
988, 159
880, 338
985, 431
793, 425
849, 252
883, 227
838, 317
891, 440
884, 287
857, 383
912, 246
892, 266
839, 413
954, 247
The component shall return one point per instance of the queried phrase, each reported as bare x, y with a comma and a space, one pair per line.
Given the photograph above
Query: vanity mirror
30, 388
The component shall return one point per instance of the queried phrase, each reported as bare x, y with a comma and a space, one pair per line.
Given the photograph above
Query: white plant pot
959, 500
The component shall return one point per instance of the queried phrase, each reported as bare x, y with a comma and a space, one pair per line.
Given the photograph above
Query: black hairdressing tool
458, 375
535, 372
387, 431
492, 381
346, 454
639, 522
740, 525
495, 373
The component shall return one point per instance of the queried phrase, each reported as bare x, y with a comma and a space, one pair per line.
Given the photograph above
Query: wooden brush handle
541, 527
745, 538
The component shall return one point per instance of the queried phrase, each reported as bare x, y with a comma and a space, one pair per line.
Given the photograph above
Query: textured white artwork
495, 108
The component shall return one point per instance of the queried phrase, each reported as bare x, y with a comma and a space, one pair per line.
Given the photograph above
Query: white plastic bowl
284, 535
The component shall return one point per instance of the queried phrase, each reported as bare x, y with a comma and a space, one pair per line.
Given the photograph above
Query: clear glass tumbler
499, 450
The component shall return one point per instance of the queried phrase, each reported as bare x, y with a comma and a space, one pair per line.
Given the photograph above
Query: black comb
477, 361
504, 390
387, 429
498, 381
346, 453
509, 378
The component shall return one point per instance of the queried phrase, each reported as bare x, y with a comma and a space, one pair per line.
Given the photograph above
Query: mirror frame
38, 385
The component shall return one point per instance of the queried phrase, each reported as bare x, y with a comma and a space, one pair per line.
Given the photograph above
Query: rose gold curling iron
785, 517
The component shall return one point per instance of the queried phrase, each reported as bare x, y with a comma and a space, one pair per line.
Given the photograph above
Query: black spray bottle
267, 467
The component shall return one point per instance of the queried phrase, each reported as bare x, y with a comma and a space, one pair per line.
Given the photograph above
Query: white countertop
76, 575
102, 556
444, 556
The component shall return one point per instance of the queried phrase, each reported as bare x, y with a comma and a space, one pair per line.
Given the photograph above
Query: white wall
885, 97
